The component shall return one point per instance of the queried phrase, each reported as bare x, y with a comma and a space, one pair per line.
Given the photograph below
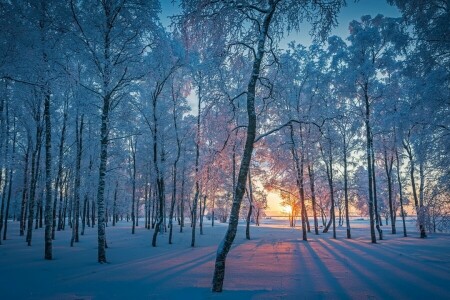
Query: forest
107, 116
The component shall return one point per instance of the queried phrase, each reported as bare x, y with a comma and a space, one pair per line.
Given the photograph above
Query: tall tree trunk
76, 205
421, 213
64, 200
369, 165
58, 183
6, 164
146, 205
347, 217
101, 238
4, 135
329, 171
400, 189
40, 214
62, 204
159, 176
313, 196
35, 159
23, 207
10, 180
197, 156
154, 209
202, 212
85, 210
133, 145
388, 163
250, 204
115, 204
225, 245
182, 196
299, 181
375, 200
48, 175
175, 170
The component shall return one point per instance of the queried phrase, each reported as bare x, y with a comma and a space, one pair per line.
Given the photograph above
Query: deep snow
275, 264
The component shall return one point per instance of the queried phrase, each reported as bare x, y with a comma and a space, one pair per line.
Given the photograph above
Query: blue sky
353, 11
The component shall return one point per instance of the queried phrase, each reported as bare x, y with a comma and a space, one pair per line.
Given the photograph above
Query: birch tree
113, 37
249, 25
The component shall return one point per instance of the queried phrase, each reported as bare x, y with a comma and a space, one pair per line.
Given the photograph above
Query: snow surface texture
275, 264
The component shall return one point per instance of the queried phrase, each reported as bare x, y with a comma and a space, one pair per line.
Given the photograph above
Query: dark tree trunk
159, 177
313, 197
23, 207
400, 189
133, 145
202, 213
329, 170
7, 165
369, 164
250, 204
347, 217
225, 245
48, 176
388, 163
76, 205
197, 156
115, 204
35, 159
101, 222
10, 180
88, 209
4, 135
182, 197
59, 183
85, 208
175, 164
299, 180
375, 200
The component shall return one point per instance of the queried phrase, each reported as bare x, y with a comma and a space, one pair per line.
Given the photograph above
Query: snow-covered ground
275, 264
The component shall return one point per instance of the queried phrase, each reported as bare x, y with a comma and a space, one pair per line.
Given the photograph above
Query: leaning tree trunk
250, 209
225, 245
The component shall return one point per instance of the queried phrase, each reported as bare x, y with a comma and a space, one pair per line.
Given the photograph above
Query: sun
286, 209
